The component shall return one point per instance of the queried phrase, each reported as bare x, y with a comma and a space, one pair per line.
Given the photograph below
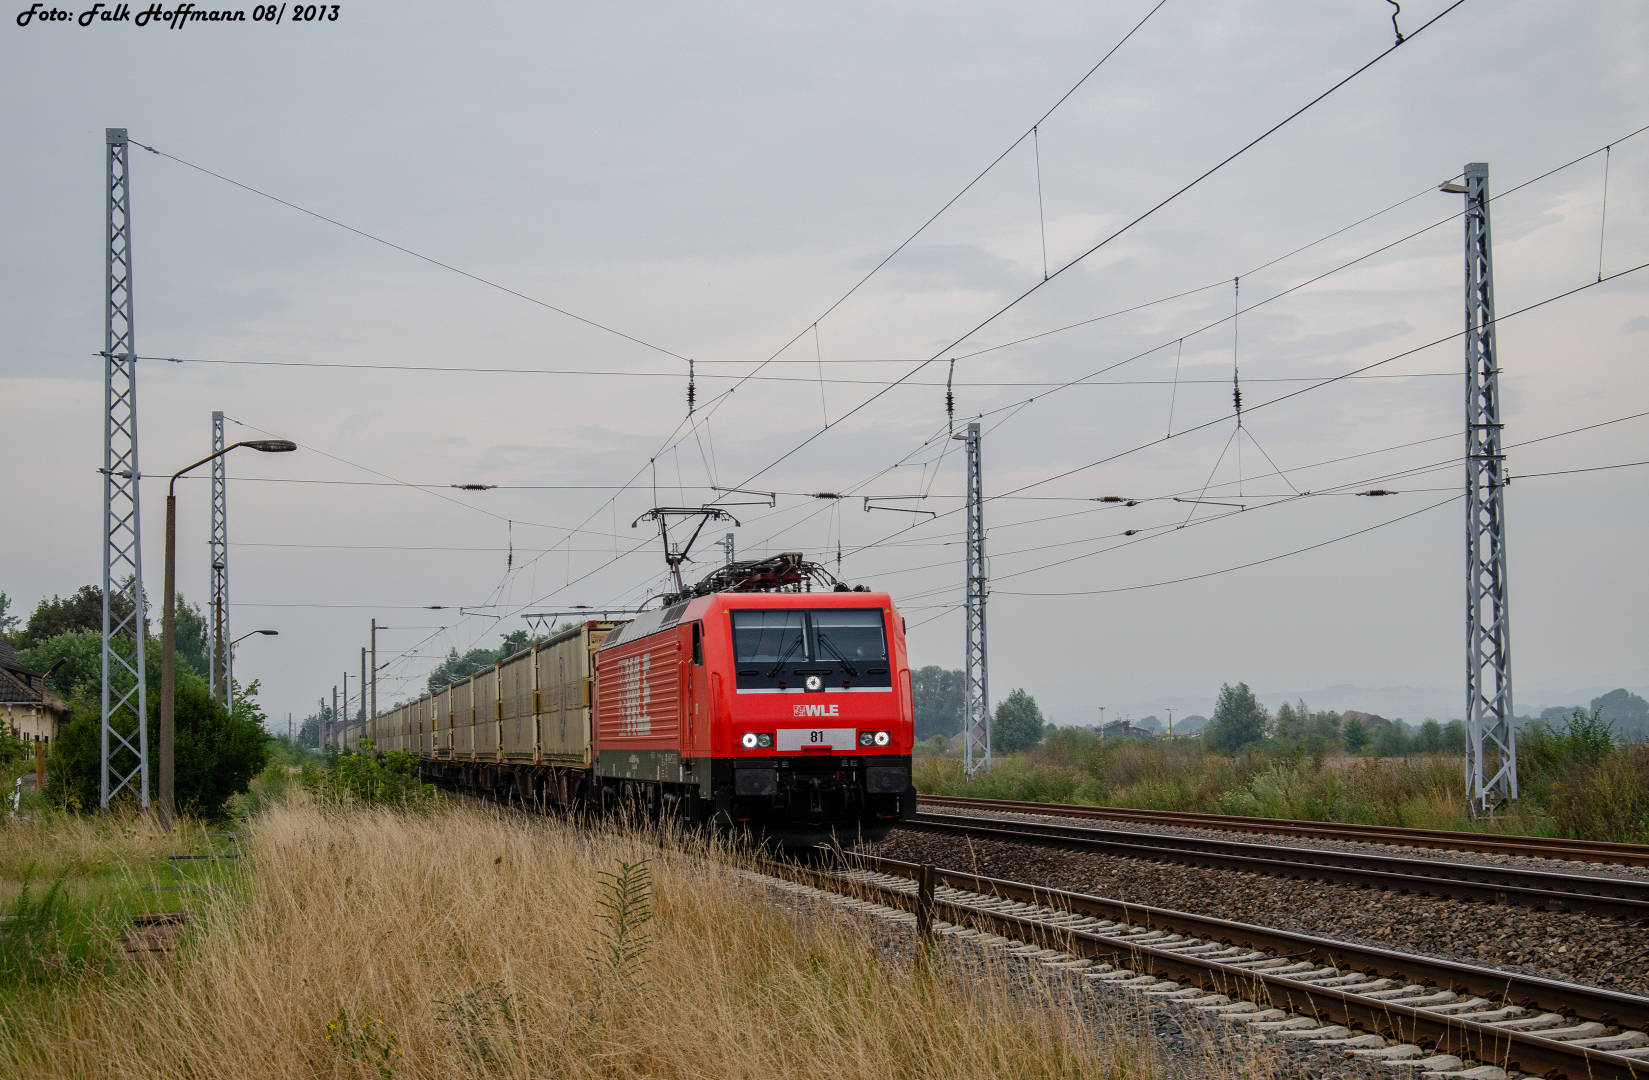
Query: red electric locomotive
788, 711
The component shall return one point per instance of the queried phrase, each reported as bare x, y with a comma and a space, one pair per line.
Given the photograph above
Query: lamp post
228, 652
168, 631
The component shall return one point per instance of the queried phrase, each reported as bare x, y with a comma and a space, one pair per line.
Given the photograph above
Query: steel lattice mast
976, 719
1491, 741
124, 699
221, 662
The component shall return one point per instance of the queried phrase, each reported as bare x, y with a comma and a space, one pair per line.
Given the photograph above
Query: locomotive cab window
698, 644
853, 638
819, 650
768, 637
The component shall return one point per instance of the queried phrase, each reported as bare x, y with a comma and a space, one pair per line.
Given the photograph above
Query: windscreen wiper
837, 653
794, 645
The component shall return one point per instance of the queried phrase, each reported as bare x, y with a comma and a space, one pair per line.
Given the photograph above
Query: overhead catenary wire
1234, 569
1327, 381
1429, 189
1159, 531
1107, 240
415, 254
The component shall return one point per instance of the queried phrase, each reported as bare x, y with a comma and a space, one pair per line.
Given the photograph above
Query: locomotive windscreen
850, 636
768, 637
823, 649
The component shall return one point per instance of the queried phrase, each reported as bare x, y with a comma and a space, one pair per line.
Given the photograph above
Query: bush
215, 754
364, 778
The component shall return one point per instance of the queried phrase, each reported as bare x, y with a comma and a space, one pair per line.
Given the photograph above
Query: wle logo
814, 710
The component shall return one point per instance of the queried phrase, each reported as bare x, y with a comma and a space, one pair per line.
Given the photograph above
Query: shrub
215, 754
364, 778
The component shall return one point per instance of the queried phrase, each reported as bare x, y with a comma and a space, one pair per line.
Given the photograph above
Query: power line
1119, 232
1566, 472
452, 369
1233, 569
1329, 380
416, 255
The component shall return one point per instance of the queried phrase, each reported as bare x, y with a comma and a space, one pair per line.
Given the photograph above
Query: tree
81, 611
1431, 736
1239, 719
1356, 735
1390, 740
192, 636
1626, 711
8, 621
1018, 724
457, 668
309, 731
82, 654
1291, 722
938, 695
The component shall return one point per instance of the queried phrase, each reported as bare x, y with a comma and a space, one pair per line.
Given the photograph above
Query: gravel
1479, 858
1559, 945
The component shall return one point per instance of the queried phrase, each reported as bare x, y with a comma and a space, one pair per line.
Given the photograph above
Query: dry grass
459, 943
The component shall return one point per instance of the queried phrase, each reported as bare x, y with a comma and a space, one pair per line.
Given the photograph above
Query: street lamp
168, 631
243, 637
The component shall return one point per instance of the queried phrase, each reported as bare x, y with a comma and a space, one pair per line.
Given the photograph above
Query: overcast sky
709, 181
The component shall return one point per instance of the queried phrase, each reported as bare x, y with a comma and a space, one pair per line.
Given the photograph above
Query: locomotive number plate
794, 739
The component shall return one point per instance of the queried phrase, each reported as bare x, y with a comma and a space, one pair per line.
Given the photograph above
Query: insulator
691, 390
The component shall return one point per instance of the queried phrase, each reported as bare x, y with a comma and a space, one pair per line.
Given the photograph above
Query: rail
1615, 897
1207, 954
1538, 847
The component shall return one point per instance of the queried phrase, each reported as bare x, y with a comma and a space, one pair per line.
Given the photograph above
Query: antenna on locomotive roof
673, 555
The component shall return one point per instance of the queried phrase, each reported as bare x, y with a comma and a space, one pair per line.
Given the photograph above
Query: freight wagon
786, 711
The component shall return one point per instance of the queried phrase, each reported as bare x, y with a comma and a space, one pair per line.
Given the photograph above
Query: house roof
15, 690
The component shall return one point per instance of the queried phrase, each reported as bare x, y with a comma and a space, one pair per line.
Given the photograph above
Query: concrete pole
168, 664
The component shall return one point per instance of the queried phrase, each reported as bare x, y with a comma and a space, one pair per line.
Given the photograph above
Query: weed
363, 778
627, 905
484, 1021
32, 934
371, 1042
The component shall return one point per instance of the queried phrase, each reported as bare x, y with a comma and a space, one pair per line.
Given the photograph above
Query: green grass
1574, 782
70, 885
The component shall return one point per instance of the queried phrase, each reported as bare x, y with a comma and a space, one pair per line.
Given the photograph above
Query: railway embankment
1569, 946
473, 942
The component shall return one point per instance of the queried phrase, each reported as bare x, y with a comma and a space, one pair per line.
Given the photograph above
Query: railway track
1536, 847
1437, 1017
1612, 897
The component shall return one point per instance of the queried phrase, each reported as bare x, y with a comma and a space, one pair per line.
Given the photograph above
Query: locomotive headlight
867, 738
749, 740
764, 740
882, 738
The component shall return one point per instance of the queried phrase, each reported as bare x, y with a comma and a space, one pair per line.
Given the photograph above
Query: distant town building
1124, 729
32, 712
1368, 720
